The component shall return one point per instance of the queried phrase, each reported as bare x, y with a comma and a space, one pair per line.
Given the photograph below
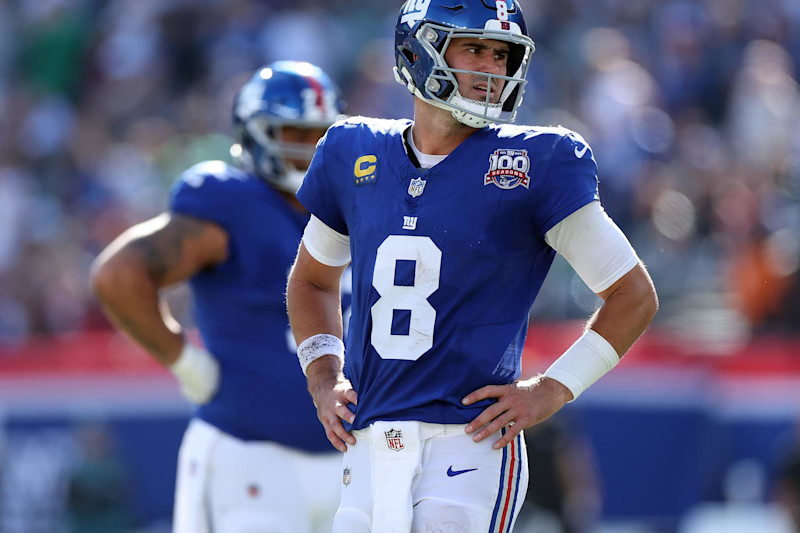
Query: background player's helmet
423, 32
284, 93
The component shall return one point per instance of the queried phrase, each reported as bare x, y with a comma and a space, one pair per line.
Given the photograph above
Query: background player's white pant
226, 485
455, 485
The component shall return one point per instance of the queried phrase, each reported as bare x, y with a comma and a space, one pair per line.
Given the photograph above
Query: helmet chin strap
474, 106
468, 107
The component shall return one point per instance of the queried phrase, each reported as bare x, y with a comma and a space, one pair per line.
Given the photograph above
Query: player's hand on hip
197, 372
332, 393
519, 405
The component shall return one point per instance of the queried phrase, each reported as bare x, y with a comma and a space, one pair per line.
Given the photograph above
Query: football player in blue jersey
450, 223
253, 458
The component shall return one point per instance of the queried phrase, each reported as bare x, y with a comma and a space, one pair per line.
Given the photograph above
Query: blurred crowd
692, 108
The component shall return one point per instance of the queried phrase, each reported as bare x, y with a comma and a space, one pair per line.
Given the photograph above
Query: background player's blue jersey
446, 262
240, 310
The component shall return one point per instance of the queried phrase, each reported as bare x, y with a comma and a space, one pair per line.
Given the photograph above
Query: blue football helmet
425, 29
284, 93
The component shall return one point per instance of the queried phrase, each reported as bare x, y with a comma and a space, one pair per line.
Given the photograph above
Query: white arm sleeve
594, 246
326, 245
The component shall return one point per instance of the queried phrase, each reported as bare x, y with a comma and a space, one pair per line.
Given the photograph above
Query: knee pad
351, 520
448, 517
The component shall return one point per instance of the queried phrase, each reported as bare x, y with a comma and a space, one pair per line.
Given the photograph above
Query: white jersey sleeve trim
326, 245
594, 246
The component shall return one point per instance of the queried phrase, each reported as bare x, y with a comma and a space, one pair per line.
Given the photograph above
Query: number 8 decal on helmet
502, 10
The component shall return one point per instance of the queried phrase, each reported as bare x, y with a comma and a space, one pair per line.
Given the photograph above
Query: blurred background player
98, 485
249, 457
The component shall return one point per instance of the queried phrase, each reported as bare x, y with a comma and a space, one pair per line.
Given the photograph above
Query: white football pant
226, 485
421, 477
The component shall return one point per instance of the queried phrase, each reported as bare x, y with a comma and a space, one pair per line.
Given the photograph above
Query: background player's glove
197, 372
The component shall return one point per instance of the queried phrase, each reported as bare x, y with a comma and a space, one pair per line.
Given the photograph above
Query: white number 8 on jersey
427, 258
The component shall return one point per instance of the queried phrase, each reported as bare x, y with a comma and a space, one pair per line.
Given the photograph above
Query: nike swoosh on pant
451, 472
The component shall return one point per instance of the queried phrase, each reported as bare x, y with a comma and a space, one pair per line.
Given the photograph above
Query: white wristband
586, 361
197, 372
318, 345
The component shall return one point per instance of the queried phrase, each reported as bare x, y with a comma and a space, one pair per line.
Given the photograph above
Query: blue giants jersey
240, 310
446, 262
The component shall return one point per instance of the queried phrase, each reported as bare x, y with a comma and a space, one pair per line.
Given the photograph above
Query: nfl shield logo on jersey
416, 187
394, 439
508, 169
346, 476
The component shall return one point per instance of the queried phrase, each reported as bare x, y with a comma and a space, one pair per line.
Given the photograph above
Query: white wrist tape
586, 361
197, 372
318, 345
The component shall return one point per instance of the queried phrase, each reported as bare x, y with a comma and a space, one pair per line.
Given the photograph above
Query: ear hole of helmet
409, 55
246, 140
